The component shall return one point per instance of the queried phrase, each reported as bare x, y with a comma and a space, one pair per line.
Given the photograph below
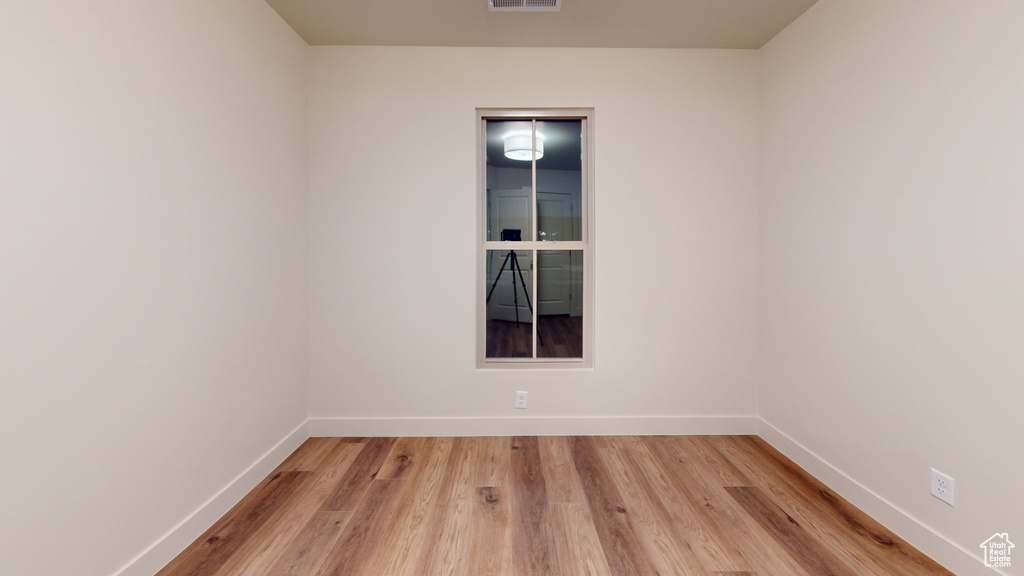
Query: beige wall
892, 301
393, 231
845, 204
152, 267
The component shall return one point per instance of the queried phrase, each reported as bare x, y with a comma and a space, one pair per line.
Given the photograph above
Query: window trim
586, 244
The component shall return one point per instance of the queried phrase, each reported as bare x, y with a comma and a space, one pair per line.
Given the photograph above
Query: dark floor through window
560, 337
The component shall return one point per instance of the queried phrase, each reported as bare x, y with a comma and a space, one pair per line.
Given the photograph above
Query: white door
554, 216
513, 292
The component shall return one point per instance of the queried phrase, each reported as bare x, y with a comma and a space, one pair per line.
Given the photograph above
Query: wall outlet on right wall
942, 486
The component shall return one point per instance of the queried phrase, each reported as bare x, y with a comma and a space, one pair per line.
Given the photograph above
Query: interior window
535, 250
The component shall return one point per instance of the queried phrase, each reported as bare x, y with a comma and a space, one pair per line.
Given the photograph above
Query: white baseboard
535, 426
154, 558
933, 544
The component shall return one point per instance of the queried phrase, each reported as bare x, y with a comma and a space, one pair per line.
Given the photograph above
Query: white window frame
586, 245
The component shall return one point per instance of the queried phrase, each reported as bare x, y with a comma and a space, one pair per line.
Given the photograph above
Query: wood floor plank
622, 549
847, 530
711, 464
308, 549
563, 484
577, 542
734, 527
668, 549
403, 459
800, 544
494, 462
309, 455
708, 524
214, 548
447, 531
356, 481
405, 538
364, 530
275, 537
490, 533
533, 539
802, 511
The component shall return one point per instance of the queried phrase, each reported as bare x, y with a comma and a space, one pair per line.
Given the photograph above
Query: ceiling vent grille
524, 5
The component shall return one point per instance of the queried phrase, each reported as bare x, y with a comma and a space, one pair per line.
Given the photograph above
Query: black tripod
514, 269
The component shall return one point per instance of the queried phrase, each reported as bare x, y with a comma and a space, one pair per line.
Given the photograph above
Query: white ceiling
580, 23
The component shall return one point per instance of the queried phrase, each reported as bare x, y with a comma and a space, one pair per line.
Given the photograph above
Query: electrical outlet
942, 486
520, 399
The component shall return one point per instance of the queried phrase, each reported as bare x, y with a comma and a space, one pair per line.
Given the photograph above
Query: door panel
510, 284
508, 210
554, 222
553, 282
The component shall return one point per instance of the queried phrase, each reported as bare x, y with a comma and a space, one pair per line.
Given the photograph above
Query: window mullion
536, 302
534, 264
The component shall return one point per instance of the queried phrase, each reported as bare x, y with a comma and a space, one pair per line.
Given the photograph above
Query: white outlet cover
520, 399
943, 487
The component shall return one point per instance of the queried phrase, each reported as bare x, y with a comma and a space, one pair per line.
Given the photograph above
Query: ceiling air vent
524, 5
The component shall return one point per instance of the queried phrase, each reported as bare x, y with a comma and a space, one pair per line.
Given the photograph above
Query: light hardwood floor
602, 506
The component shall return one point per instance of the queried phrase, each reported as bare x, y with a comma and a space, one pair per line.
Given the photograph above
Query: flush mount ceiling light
517, 145
524, 5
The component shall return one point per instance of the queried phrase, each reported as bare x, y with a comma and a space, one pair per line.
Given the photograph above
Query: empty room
696, 287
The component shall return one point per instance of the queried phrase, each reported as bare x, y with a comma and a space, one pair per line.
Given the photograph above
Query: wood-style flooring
561, 337
601, 506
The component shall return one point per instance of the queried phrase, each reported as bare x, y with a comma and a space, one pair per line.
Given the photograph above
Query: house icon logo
997, 550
